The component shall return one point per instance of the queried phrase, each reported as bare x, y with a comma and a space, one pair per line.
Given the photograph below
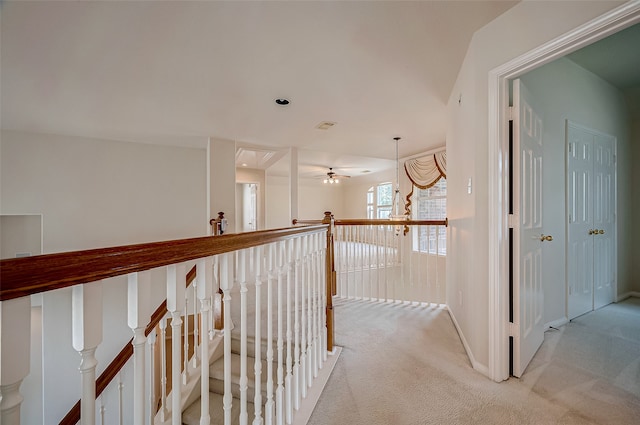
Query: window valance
424, 172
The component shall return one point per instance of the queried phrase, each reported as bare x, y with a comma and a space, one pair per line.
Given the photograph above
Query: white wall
517, 31
563, 90
97, 193
316, 197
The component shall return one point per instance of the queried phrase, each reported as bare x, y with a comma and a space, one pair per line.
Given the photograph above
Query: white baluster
196, 324
437, 296
15, 330
257, 366
86, 311
151, 341
288, 386
120, 400
298, 248
314, 320
101, 411
176, 283
321, 320
138, 318
226, 284
185, 372
164, 412
205, 287
268, 407
243, 383
304, 279
280, 343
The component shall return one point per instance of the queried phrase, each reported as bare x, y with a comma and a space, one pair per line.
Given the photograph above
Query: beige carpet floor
404, 364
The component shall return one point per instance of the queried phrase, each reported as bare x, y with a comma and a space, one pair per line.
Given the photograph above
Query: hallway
404, 364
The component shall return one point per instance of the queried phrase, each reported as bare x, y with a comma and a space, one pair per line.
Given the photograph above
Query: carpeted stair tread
191, 415
216, 376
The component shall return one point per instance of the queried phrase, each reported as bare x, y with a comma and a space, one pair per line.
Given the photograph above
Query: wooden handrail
73, 416
383, 221
295, 221
20, 277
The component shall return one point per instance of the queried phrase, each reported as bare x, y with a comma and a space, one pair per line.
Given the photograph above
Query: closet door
604, 202
580, 220
591, 205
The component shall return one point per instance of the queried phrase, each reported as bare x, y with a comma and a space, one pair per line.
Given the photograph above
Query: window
431, 204
379, 201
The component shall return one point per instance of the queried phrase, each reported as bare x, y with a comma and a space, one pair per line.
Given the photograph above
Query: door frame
499, 166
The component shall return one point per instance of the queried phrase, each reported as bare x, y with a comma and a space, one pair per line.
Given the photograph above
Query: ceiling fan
333, 177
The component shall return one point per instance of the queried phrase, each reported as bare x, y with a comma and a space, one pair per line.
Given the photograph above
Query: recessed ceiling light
244, 164
282, 101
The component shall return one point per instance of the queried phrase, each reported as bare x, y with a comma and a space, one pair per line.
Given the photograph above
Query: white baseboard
483, 369
628, 295
556, 323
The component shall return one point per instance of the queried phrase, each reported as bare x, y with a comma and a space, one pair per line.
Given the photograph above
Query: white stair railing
379, 260
173, 347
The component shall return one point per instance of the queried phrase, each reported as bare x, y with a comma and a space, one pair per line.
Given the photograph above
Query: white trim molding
626, 295
483, 369
601, 27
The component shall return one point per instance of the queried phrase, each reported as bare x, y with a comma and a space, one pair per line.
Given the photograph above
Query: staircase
191, 415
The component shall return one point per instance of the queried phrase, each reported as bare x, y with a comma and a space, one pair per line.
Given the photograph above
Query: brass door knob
601, 232
592, 232
546, 238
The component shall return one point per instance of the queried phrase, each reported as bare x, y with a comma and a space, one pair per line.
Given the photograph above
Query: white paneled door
591, 205
528, 236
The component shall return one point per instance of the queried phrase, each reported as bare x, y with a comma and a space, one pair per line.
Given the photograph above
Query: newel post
15, 331
330, 278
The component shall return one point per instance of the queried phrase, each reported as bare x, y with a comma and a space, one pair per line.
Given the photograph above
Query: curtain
424, 172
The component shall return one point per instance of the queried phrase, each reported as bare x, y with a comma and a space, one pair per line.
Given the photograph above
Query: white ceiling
178, 72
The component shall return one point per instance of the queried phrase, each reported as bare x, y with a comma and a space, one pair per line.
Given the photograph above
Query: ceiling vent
325, 125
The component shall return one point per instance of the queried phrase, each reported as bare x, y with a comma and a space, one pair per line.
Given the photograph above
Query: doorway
247, 208
500, 167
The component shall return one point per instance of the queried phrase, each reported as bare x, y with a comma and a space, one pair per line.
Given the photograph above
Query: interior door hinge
514, 330
512, 221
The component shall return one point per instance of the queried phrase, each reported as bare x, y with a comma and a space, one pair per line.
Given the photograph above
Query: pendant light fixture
395, 211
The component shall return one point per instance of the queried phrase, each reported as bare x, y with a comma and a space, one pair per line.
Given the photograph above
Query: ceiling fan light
337, 181
325, 181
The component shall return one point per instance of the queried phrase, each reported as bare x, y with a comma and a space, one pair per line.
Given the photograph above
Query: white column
15, 334
86, 329
221, 181
176, 288
204, 277
139, 289
293, 183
